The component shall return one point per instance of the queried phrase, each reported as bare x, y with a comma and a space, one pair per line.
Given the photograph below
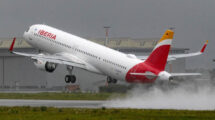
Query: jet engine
45, 66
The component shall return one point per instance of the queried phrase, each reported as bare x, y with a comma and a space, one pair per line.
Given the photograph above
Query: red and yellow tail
159, 55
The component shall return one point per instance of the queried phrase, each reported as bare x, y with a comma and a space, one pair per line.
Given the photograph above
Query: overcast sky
194, 20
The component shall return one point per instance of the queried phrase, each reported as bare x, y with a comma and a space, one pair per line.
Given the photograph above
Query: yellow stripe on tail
167, 35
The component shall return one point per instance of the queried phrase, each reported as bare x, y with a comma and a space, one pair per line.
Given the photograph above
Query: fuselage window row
81, 51
115, 64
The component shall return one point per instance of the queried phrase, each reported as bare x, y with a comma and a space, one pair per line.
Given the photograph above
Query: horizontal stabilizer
145, 74
172, 74
185, 74
148, 75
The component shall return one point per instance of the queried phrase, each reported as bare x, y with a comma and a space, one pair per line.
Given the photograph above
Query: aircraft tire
73, 79
67, 78
114, 81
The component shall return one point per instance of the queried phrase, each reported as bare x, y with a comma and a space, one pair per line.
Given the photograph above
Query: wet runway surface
53, 103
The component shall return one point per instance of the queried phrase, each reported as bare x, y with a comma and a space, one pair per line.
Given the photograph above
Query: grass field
59, 96
44, 113
49, 113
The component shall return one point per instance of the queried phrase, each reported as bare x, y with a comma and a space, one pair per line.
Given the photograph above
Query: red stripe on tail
159, 55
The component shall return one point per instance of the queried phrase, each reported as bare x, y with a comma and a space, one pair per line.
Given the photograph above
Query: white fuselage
104, 60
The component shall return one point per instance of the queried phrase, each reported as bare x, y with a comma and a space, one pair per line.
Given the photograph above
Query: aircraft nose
25, 35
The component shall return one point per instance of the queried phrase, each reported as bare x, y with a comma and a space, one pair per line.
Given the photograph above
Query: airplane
60, 47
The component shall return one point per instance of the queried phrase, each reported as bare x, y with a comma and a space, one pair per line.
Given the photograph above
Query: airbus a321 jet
60, 47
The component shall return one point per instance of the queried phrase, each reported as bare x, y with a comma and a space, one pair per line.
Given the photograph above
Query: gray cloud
193, 19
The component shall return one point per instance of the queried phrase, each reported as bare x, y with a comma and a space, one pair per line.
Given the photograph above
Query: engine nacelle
46, 66
165, 76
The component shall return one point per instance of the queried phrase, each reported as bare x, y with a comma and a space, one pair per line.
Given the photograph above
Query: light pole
106, 34
3, 72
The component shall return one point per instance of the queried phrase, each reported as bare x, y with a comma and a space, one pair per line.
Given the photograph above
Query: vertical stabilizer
159, 55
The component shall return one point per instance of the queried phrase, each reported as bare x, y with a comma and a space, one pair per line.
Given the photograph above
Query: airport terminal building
20, 72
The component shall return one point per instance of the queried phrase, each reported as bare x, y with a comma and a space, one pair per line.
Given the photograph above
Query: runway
53, 103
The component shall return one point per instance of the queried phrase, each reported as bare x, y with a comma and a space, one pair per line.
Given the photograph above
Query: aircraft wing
59, 58
173, 57
176, 56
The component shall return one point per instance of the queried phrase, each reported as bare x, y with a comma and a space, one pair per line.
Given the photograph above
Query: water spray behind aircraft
191, 94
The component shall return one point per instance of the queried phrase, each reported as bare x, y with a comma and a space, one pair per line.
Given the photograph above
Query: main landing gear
70, 78
111, 80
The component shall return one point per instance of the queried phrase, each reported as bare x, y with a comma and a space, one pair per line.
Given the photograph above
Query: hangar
18, 72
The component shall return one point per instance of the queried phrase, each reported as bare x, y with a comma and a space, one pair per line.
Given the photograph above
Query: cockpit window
27, 30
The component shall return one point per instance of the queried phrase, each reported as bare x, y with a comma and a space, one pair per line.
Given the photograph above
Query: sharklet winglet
12, 45
203, 48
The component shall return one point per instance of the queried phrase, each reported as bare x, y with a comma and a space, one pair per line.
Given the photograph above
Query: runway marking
53, 103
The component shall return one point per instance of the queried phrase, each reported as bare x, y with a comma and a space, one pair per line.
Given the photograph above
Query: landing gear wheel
114, 81
73, 79
70, 78
67, 78
109, 80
